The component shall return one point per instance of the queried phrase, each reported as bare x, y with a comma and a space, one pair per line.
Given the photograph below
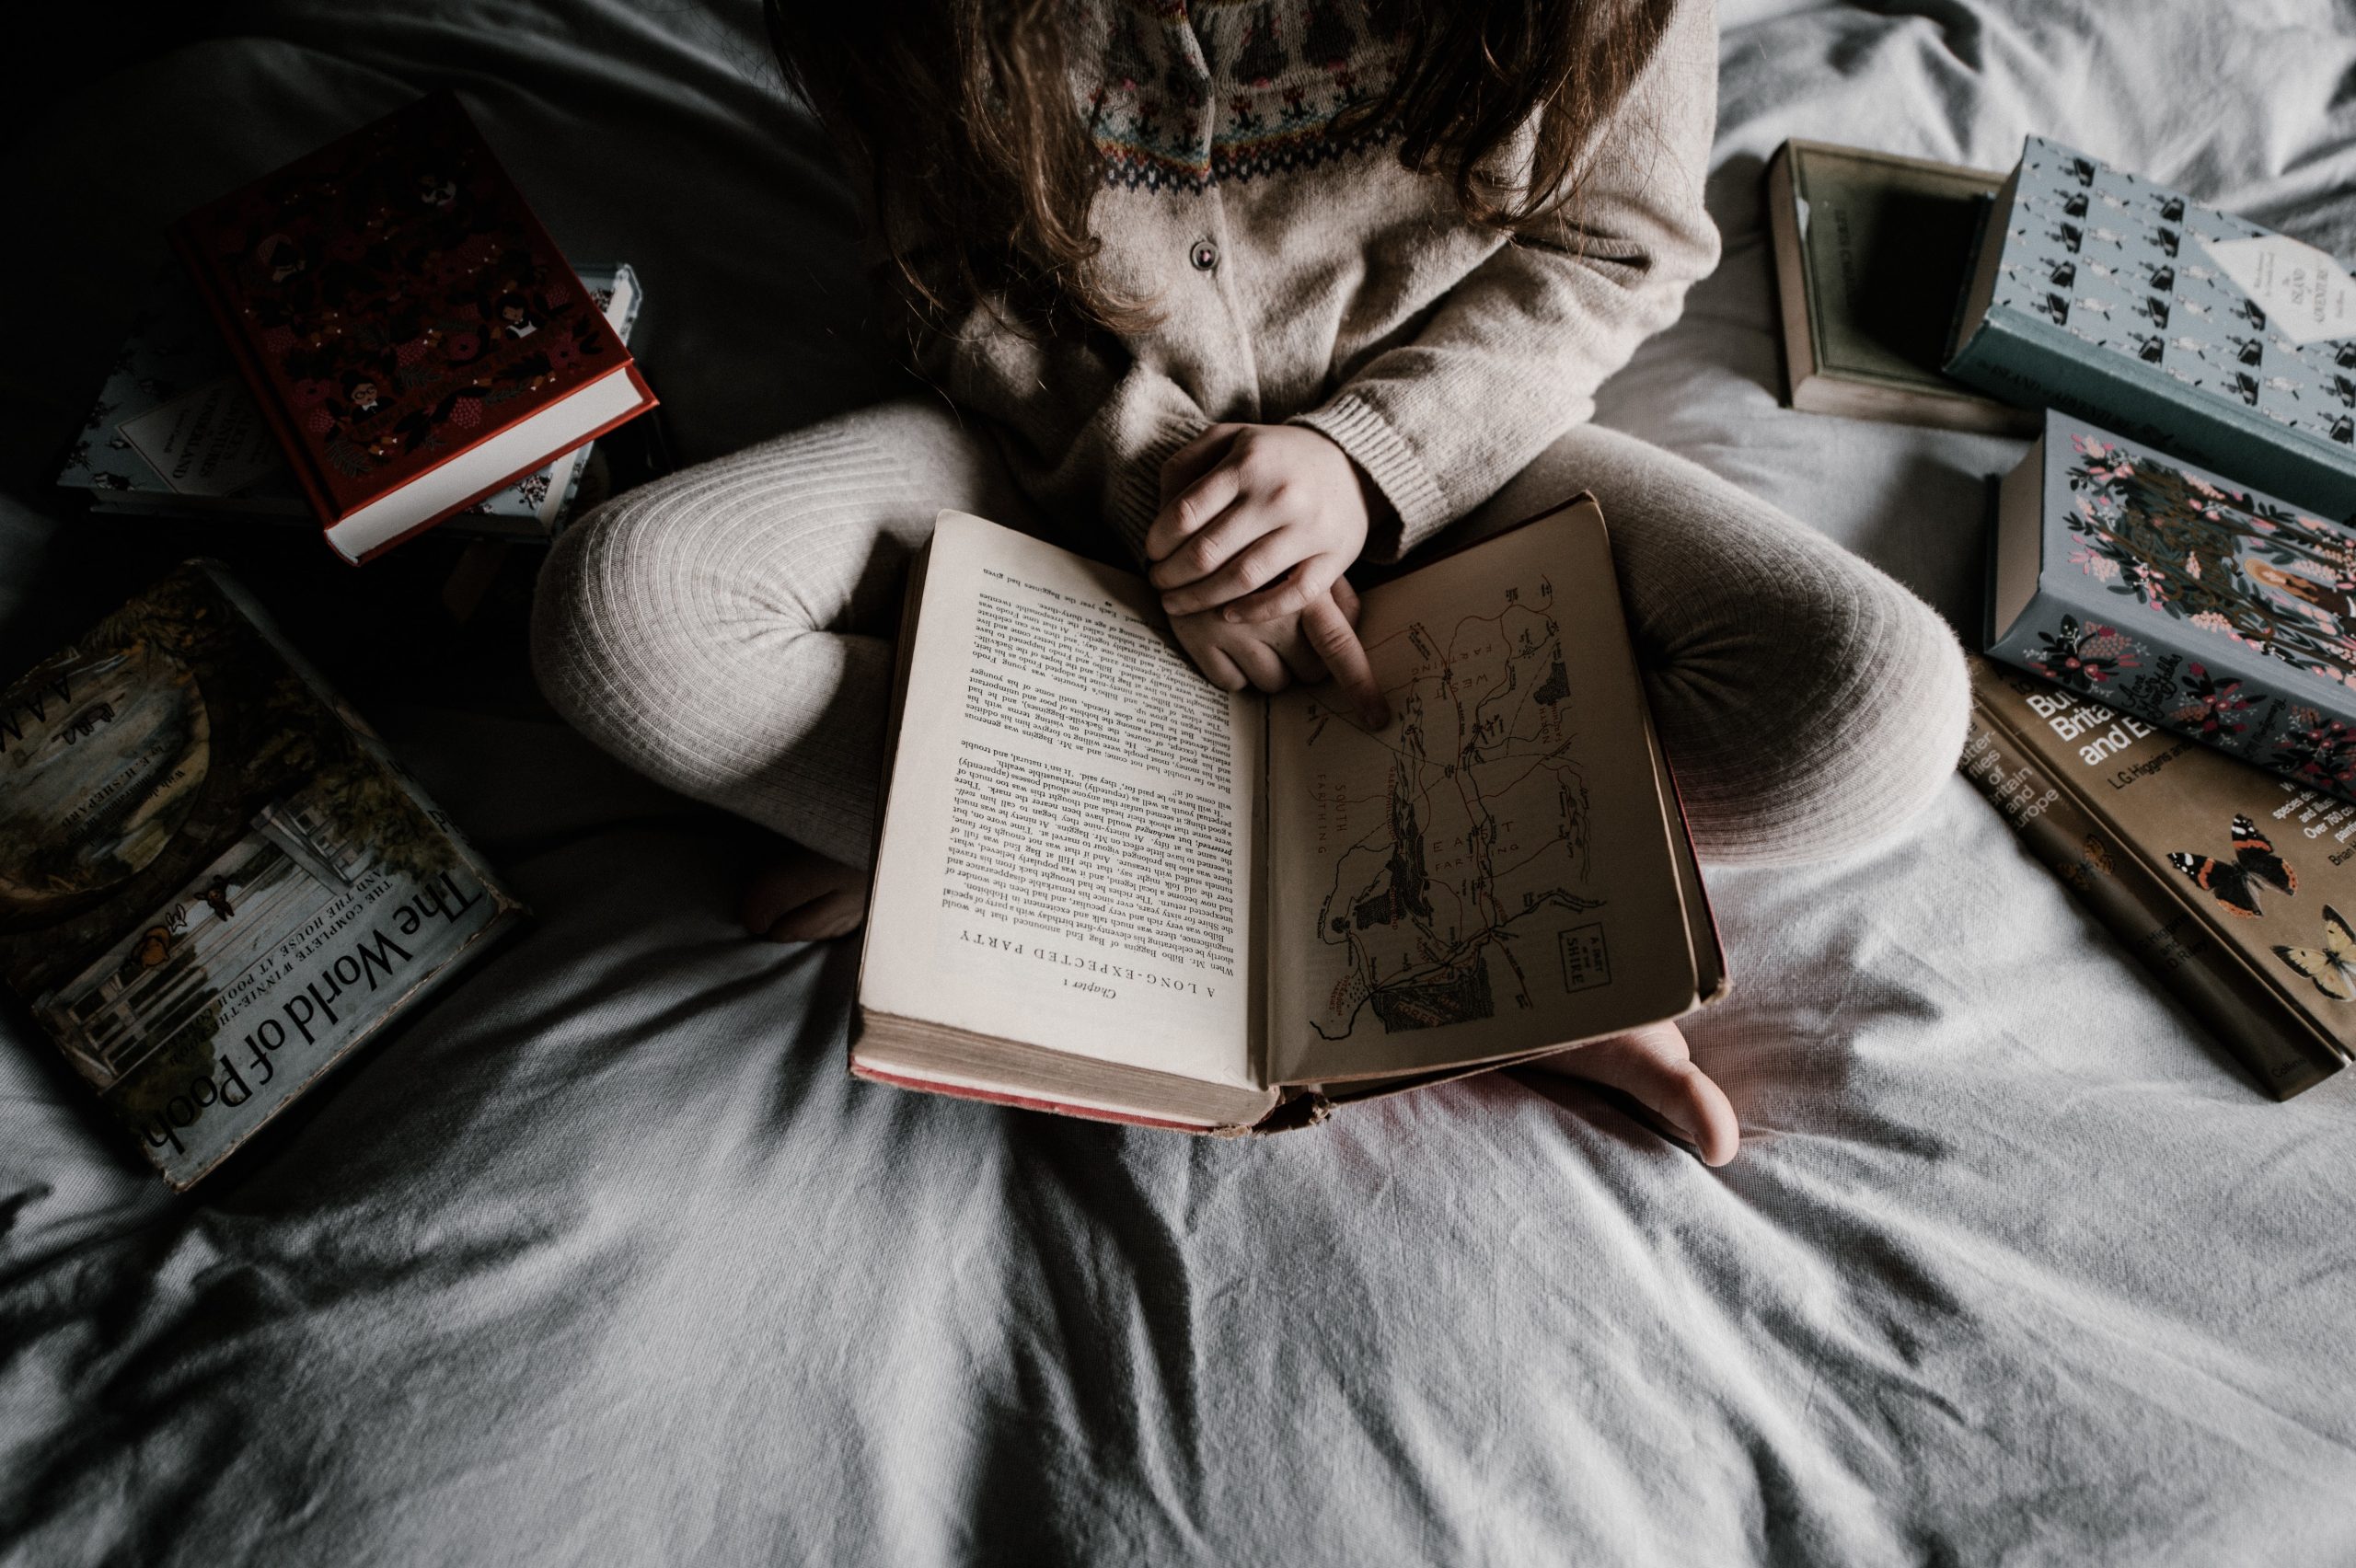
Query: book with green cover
2232, 886
2183, 598
2132, 305
215, 880
1872, 251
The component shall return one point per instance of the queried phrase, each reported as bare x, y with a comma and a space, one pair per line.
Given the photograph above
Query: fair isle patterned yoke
1193, 93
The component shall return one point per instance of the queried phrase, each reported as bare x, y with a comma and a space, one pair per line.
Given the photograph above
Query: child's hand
1322, 642
1261, 519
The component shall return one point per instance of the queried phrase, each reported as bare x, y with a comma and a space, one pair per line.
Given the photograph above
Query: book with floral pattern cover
2181, 597
2132, 305
215, 880
174, 431
408, 330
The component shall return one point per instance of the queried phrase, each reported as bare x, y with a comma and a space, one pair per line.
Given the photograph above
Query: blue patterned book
2121, 301
174, 430
2181, 599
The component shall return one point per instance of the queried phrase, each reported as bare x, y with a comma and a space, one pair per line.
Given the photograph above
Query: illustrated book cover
1872, 253
174, 431
1105, 887
2172, 593
2136, 307
2232, 886
410, 332
215, 880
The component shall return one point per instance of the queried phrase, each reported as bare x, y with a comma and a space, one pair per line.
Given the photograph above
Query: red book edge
646, 400
281, 423
1023, 1103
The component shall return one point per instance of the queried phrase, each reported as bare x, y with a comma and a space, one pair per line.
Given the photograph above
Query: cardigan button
1205, 256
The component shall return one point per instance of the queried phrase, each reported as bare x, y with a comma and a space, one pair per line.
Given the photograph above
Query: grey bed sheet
603, 1259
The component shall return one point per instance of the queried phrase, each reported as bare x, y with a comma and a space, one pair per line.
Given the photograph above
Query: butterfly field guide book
1872, 253
2132, 305
215, 883
2175, 594
414, 339
175, 432
2234, 887
1108, 888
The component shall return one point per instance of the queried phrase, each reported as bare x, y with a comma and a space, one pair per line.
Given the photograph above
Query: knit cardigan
1303, 276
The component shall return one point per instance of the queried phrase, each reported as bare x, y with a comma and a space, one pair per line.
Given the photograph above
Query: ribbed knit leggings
728, 632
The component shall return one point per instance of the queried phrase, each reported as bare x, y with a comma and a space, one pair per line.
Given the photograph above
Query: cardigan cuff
1370, 441
1136, 497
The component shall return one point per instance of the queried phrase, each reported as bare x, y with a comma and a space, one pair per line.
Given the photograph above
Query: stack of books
216, 882
2165, 712
380, 337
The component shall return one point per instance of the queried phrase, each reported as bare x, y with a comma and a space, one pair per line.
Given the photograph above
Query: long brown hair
964, 110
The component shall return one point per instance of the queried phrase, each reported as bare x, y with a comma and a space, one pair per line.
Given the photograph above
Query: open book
1108, 888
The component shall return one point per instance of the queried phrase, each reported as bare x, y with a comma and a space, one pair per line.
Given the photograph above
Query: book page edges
934, 1056
612, 400
1981, 293
2016, 553
1791, 271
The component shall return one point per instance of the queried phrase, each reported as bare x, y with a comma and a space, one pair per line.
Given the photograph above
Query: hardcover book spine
2225, 697
2033, 362
2123, 891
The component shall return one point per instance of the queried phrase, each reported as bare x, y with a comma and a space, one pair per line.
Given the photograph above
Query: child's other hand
1261, 519
1321, 641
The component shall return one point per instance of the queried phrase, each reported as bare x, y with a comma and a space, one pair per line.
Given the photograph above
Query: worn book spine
2131, 895
2032, 363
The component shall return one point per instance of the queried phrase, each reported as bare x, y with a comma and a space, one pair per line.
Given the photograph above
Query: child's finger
1192, 509
1219, 670
1259, 662
1337, 642
1212, 545
1192, 461
1347, 596
1257, 564
1311, 580
1302, 660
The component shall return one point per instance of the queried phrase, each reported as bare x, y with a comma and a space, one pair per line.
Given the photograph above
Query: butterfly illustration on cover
2333, 966
2234, 883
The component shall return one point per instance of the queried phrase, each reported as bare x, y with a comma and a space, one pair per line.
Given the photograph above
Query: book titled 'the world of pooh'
215, 880
2175, 594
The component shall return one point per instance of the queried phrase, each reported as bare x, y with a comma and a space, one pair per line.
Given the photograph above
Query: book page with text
1066, 853
1491, 875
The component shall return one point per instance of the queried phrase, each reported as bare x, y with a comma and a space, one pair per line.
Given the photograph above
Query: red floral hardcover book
409, 328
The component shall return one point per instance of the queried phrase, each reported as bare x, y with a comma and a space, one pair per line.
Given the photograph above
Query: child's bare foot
805, 897
1654, 1065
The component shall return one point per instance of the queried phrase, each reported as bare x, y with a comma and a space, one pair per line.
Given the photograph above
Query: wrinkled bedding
603, 1258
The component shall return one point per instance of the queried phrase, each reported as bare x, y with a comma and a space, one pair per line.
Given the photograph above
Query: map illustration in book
215, 882
1105, 887
1462, 876
174, 428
